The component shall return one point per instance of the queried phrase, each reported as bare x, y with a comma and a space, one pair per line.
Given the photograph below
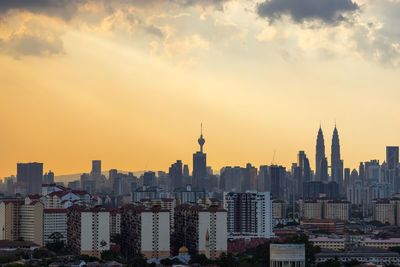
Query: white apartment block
155, 234
88, 230
54, 223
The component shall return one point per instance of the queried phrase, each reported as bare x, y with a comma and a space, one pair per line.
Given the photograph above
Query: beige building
329, 243
381, 243
383, 210
279, 209
22, 221
311, 209
337, 210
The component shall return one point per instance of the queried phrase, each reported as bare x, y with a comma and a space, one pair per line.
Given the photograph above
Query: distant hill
77, 176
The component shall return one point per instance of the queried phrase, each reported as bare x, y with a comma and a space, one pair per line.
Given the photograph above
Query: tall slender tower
200, 164
319, 154
336, 162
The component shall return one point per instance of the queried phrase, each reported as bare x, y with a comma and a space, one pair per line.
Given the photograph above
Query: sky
130, 81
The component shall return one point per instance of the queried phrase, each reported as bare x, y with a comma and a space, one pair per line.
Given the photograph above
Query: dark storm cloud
328, 11
64, 9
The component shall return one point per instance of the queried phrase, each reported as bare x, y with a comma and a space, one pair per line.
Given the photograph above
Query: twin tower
321, 162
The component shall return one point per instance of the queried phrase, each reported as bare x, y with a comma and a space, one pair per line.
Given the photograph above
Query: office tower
54, 225
186, 171
304, 168
321, 164
96, 167
249, 214
336, 162
149, 179
30, 175
200, 164
176, 175
250, 178
88, 230
277, 176
48, 178
361, 173
20, 220
112, 174
392, 156
202, 230
231, 179
347, 177
145, 231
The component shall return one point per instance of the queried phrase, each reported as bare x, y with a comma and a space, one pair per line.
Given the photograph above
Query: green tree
110, 255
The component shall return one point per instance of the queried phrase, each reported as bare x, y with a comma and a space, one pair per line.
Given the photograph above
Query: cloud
328, 11
32, 38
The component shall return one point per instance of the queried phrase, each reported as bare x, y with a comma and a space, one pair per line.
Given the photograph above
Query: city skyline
334, 157
129, 81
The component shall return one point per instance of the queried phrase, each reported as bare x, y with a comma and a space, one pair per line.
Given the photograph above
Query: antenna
201, 128
273, 158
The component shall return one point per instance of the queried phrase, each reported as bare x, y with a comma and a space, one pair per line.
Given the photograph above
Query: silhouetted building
304, 167
96, 167
277, 176
176, 175
392, 156
321, 163
149, 179
31, 175
200, 164
48, 178
336, 162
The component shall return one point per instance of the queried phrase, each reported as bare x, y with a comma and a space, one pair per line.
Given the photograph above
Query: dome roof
183, 250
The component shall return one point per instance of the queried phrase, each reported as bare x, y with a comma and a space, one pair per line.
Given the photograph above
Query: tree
110, 255
311, 250
199, 258
56, 243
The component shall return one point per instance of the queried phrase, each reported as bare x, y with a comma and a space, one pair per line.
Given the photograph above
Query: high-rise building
250, 178
392, 156
176, 174
304, 168
200, 164
145, 231
149, 179
249, 214
48, 178
96, 167
30, 175
20, 220
55, 225
336, 162
321, 168
202, 230
383, 210
277, 177
88, 230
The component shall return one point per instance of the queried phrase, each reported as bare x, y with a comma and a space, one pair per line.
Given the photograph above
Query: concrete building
115, 222
21, 221
337, 209
287, 255
380, 243
202, 230
145, 231
383, 210
310, 209
54, 225
279, 209
249, 214
88, 230
329, 243
30, 174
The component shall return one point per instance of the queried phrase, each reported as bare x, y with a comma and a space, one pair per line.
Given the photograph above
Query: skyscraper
321, 170
96, 167
392, 156
175, 174
30, 174
336, 162
200, 164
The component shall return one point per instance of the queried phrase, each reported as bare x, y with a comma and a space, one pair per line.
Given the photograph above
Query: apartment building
249, 214
329, 243
145, 230
55, 225
202, 230
22, 220
88, 230
383, 210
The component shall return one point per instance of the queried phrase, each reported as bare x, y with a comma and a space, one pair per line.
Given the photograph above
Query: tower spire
201, 140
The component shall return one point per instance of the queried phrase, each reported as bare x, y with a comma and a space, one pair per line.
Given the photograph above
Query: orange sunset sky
130, 81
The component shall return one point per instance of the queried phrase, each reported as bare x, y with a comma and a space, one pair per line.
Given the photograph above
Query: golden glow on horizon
137, 104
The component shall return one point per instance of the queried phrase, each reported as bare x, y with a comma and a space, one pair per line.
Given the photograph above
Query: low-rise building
380, 243
329, 243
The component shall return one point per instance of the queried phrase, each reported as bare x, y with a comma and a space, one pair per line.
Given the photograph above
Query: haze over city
129, 82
